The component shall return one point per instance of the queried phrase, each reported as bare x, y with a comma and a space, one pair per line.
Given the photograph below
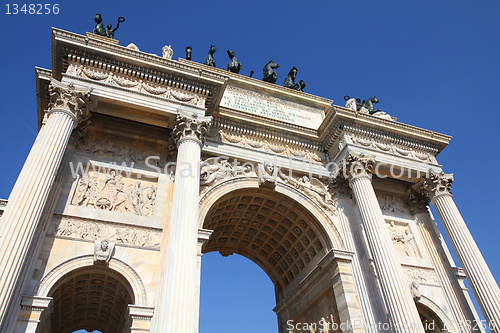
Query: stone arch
433, 311
287, 236
217, 191
52, 277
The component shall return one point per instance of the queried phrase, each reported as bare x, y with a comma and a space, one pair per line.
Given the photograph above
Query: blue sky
433, 64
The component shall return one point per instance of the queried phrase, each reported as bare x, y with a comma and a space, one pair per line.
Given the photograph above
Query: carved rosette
67, 98
438, 183
191, 127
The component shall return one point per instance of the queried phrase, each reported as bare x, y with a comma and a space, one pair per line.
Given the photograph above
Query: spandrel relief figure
314, 188
267, 175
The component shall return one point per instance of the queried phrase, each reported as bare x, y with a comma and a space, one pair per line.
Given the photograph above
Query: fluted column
438, 189
366, 298
20, 221
175, 307
402, 312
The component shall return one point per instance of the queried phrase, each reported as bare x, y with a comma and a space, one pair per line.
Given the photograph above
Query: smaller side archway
433, 317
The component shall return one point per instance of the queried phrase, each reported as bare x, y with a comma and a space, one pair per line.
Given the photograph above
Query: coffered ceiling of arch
90, 298
270, 229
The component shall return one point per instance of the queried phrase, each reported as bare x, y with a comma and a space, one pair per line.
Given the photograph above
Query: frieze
269, 147
403, 239
120, 151
391, 204
136, 84
421, 275
114, 192
94, 230
386, 147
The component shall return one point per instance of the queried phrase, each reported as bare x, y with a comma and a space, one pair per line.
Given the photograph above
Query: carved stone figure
189, 50
411, 249
269, 74
300, 86
233, 66
290, 79
396, 236
350, 103
209, 61
214, 170
313, 188
103, 250
415, 290
267, 175
167, 52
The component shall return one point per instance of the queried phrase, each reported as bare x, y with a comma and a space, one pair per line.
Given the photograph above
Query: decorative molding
93, 230
141, 312
161, 90
421, 275
35, 303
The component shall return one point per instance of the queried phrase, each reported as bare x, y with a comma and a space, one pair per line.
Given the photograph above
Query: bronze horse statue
368, 104
233, 66
269, 74
290, 79
209, 61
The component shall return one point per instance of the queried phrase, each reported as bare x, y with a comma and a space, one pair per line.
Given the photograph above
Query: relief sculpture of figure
411, 249
103, 251
314, 188
209, 61
267, 175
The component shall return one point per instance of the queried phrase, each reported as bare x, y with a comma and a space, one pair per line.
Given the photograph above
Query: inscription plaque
271, 107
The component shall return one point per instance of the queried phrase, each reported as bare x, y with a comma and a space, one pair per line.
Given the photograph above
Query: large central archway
288, 236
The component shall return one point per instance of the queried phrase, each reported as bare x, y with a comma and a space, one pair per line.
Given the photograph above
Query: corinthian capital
437, 183
191, 127
416, 200
67, 98
355, 166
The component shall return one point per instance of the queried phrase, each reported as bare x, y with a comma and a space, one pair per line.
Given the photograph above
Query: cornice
345, 120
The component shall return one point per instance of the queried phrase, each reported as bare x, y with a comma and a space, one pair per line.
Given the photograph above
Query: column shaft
21, 218
403, 313
480, 278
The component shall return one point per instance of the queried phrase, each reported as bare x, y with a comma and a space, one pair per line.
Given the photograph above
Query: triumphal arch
144, 163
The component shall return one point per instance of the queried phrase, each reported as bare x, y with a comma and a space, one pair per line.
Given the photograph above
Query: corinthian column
177, 308
402, 312
438, 189
20, 223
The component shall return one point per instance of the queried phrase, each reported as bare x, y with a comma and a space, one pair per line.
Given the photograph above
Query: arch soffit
120, 267
428, 303
328, 228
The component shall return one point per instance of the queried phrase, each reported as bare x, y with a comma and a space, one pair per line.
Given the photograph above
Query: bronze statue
300, 86
251, 73
368, 104
233, 66
189, 49
269, 74
101, 31
209, 61
290, 79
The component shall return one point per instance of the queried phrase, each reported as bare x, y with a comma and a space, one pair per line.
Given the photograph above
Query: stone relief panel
94, 230
121, 151
267, 146
314, 188
122, 81
421, 275
391, 204
213, 170
403, 239
113, 192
